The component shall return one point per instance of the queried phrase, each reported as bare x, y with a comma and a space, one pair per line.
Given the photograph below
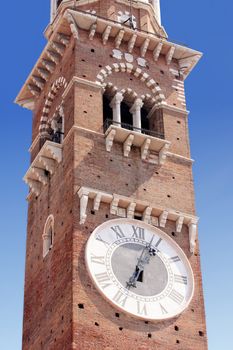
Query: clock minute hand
142, 261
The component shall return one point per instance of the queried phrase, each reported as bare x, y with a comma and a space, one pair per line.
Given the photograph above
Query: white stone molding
170, 54
119, 38
57, 85
127, 145
92, 31
106, 34
136, 71
127, 206
47, 159
144, 47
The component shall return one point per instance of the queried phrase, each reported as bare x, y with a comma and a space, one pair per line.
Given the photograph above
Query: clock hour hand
144, 259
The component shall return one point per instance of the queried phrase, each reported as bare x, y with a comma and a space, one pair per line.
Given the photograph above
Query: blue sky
203, 25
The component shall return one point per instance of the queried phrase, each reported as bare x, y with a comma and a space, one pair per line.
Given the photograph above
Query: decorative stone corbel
163, 154
145, 149
73, 25
97, 201
144, 47
179, 224
157, 51
119, 38
170, 55
146, 217
109, 140
163, 218
92, 31
192, 236
128, 144
83, 195
106, 34
114, 205
132, 42
131, 210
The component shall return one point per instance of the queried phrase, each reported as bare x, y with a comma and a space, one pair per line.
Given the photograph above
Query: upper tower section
142, 15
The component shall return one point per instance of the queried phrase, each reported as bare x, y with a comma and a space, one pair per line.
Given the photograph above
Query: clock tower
112, 257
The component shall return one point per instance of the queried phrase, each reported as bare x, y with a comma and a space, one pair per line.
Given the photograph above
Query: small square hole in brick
176, 328
120, 328
96, 324
92, 212
81, 306
149, 335
201, 334
117, 314
177, 342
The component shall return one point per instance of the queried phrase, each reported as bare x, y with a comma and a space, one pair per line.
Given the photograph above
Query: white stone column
156, 5
116, 108
136, 111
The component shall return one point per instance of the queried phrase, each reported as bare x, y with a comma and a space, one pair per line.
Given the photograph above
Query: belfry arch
44, 126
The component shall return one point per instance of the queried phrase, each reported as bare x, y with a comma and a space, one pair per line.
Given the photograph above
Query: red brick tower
110, 140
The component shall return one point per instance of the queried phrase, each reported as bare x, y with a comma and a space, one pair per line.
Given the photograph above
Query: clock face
139, 269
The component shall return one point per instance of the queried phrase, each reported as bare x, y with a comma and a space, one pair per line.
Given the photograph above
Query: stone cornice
72, 21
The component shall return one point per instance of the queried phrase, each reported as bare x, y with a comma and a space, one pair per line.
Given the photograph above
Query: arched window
56, 129
48, 235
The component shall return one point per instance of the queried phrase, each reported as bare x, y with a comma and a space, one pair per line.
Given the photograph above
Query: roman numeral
158, 243
118, 231
98, 238
176, 297
164, 311
141, 309
98, 259
138, 232
181, 279
103, 279
120, 298
174, 259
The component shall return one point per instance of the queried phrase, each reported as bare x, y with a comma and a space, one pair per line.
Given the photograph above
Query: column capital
118, 98
138, 104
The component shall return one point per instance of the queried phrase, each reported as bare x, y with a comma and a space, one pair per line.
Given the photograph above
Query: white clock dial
139, 269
